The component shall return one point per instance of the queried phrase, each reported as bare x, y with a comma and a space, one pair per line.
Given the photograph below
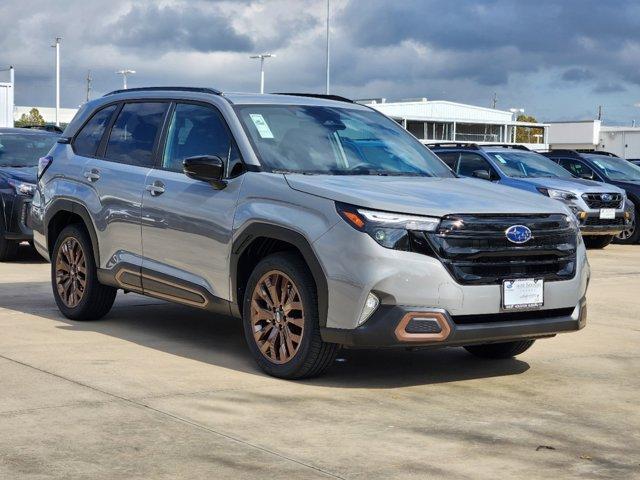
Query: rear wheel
500, 350
281, 321
597, 241
76, 289
8, 248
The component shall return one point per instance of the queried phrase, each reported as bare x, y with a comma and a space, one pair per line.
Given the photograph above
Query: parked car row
601, 189
318, 222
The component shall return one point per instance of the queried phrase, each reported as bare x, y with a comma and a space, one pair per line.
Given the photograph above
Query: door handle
92, 175
156, 188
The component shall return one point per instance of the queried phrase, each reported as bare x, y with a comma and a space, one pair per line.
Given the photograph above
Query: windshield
337, 141
523, 164
615, 168
24, 149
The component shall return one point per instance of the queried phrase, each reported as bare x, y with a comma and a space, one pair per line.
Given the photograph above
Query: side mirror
207, 168
587, 176
482, 174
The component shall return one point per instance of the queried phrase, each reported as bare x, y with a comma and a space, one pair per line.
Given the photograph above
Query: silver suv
319, 222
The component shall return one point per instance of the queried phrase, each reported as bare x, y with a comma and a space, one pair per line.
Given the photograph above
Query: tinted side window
470, 162
450, 158
195, 130
578, 168
88, 139
133, 134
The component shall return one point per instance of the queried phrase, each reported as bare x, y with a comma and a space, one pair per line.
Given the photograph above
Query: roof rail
471, 146
337, 98
507, 145
596, 152
174, 89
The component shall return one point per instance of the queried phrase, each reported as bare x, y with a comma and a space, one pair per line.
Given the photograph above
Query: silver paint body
187, 232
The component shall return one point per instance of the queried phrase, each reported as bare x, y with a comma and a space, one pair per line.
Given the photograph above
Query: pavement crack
178, 418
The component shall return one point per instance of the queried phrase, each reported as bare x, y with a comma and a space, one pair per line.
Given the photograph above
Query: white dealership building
440, 120
592, 135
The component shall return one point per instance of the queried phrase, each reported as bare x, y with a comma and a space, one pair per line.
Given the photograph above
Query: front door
187, 223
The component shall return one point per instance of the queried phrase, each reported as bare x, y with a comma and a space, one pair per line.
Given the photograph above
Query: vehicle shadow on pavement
27, 254
219, 340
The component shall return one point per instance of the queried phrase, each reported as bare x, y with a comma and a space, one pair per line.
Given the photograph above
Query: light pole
262, 56
328, 51
57, 47
124, 74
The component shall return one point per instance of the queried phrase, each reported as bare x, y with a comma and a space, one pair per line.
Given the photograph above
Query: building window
478, 132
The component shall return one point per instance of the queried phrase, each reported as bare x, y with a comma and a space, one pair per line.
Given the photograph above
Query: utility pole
89, 80
57, 47
495, 99
599, 112
124, 74
328, 49
262, 56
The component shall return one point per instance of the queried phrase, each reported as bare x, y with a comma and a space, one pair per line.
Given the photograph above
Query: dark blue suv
20, 149
608, 168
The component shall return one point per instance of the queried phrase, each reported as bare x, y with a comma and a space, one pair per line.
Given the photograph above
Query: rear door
187, 223
117, 175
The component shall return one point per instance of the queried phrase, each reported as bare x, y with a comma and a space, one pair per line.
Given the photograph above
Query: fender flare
64, 205
277, 232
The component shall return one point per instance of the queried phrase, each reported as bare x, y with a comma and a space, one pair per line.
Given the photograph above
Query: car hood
629, 186
424, 196
27, 174
574, 185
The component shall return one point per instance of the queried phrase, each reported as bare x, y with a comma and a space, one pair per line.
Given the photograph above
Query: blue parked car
599, 208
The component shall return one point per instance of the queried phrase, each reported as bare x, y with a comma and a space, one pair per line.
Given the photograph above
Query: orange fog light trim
403, 336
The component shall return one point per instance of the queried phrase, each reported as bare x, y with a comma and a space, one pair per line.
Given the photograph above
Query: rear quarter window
88, 139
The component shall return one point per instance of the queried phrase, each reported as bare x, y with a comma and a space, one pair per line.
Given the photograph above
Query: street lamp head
263, 55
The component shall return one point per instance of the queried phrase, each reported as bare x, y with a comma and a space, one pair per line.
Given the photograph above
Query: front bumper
592, 224
389, 327
16, 212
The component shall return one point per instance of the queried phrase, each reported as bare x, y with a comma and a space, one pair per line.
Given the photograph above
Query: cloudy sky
558, 59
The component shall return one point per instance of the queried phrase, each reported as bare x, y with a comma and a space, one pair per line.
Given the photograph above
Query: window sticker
502, 160
261, 125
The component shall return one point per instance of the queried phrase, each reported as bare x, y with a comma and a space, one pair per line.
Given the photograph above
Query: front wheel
631, 234
500, 350
76, 289
597, 241
281, 320
8, 248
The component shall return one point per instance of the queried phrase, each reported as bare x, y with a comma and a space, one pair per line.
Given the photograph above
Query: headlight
22, 188
388, 229
558, 194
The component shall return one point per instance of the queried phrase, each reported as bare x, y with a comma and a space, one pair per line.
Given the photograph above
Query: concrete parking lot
160, 391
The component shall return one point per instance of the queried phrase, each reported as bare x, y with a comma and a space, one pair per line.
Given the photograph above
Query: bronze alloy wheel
277, 317
71, 272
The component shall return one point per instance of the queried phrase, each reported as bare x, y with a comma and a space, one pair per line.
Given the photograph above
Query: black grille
475, 249
512, 316
603, 222
594, 200
423, 325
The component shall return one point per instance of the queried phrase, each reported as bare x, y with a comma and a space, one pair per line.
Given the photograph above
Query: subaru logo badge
518, 234
606, 197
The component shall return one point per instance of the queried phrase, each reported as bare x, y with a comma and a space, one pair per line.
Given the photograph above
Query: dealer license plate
525, 293
608, 213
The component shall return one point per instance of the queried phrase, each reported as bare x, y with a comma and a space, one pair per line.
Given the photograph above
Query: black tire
8, 248
500, 350
313, 356
632, 235
97, 299
597, 241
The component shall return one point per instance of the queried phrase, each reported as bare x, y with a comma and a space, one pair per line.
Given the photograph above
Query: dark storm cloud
609, 87
544, 33
577, 75
186, 27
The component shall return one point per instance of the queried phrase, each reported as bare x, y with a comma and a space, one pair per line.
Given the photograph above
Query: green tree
33, 118
528, 134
